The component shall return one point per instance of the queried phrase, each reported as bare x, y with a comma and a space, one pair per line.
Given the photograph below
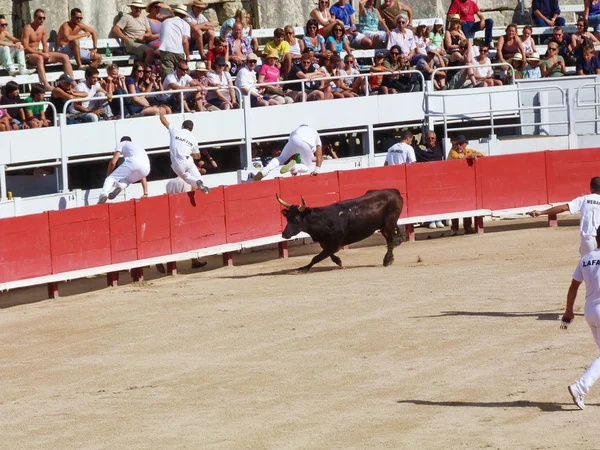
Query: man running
183, 149
304, 141
136, 167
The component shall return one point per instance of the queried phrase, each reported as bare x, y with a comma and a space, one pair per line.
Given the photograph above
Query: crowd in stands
320, 65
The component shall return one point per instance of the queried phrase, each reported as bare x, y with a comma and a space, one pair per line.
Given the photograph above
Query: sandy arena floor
457, 345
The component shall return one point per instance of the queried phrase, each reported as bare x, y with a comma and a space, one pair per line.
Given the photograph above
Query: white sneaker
115, 192
288, 166
577, 398
202, 187
432, 225
102, 199
440, 224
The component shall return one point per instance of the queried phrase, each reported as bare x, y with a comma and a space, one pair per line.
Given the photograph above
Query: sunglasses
337, 29
431, 138
485, 51
3, 25
221, 65
349, 61
41, 17
185, 69
394, 53
140, 71
148, 71
552, 48
251, 61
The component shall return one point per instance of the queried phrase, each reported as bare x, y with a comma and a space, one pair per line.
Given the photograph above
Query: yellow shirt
468, 152
282, 48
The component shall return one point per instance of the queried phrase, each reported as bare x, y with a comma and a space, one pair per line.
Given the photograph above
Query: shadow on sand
544, 315
542, 406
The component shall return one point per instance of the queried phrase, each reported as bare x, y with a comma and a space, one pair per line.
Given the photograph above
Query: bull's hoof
388, 263
304, 269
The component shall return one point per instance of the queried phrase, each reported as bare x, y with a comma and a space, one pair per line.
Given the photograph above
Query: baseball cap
220, 61
460, 138
438, 21
66, 78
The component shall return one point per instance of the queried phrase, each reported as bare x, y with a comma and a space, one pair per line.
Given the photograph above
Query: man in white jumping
136, 167
589, 205
402, 152
305, 141
587, 270
184, 149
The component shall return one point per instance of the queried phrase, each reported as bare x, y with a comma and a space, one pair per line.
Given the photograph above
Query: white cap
438, 21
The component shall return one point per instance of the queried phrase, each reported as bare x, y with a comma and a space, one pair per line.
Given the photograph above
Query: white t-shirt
223, 80
130, 150
196, 20
172, 31
588, 270
183, 143
245, 78
400, 153
172, 79
91, 92
483, 72
589, 205
307, 134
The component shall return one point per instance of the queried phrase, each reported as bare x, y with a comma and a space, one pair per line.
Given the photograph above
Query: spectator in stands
34, 34
338, 42
527, 41
68, 40
203, 32
376, 81
283, 48
175, 35
312, 39
532, 69
545, 13
139, 105
328, 150
564, 49
5, 124
225, 97
134, 30
589, 64
518, 72
453, 34
220, 49
422, 40
399, 82
242, 16
509, 45
296, 45
390, 9
352, 82
402, 152
324, 18
482, 73
431, 151
432, 61
10, 96
591, 13
581, 38
467, 10
462, 78
403, 38
92, 110
60, 95
35, 116
11, 49
155, 19
180, 79
345, 12
114, 84
334, 68
238, 47
371, 24
246, 78
554, 64
436, 36
269, 73
306, 72
199, 75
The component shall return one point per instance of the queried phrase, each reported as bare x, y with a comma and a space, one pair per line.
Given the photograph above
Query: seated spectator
69, 35
432, 61
402, 152
306, 72
155, 19
467, 10
422, 39
371, 24
238, 47
134, 30
139, 105
224, 97
581, 38
482, 73
591, 13
399, 82
179, 79
509, 45
220, 49
324, 18
436, 36
203, 32
59, 96
10, 96
545, 13
242, 16
431, 151
11, 49
338, 42
403, 38
554, 64
283, 48
518, 69
333, 68
328, 150
312, 39
92, 110
199, 76
114, 84
35, 116
532, 69
34, 35
589, 64
564, 49
389, 11
376, 81
296, 45
245, 81
462, 78
453, 34
527, 41
269, 73
352, 82
175, 35
345, 12
5, 124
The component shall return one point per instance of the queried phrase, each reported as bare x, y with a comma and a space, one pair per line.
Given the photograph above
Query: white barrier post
64, 160
3, 188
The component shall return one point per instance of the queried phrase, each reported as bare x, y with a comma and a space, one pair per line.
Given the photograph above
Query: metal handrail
579, 88
25, 105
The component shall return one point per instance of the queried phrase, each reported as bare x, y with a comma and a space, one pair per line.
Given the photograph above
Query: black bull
347, 222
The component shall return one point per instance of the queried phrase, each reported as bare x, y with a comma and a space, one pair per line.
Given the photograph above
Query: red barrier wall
251, 210
153, 227
123, 235
511, 181
354, 183
569, 172
441, 186
25, 249
322, 190
79, 238
197, 220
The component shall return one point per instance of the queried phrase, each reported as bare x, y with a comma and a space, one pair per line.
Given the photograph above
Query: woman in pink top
269, 73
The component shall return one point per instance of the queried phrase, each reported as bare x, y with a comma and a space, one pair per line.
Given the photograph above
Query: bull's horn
285, 204
303, 206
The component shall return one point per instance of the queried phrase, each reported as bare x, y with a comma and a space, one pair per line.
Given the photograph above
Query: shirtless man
34, 34
239, 47
68, 38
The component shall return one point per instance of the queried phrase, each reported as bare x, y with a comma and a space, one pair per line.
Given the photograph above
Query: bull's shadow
296, 271
544, 315
542, 406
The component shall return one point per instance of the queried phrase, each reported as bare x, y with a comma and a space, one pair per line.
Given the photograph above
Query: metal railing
26, 105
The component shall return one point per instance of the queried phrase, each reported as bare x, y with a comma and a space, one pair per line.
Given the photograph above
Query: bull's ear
284, 212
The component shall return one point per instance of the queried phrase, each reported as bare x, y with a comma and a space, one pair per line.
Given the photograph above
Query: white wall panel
33, 145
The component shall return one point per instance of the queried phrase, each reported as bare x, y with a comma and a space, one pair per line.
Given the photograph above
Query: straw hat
273, 54
201, 66
199, 4
180, 9
137, 4
534, 56
453, 17
517, 57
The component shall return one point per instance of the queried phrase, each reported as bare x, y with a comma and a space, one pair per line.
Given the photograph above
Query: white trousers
131, 171
293, 147
588, 243
187, 171
592, 316
9, 54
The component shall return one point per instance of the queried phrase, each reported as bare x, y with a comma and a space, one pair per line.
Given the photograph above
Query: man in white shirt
246, 77
202, 29
589, 205
135, 167
184, 149
304, 141
180, 79
402, 152
91, 111
174, 40
587, 270
405, 39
